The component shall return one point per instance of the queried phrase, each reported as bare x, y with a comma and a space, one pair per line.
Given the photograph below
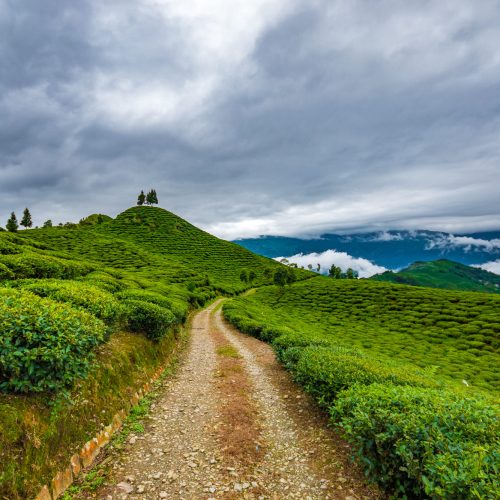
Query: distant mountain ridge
443, 274
391, 249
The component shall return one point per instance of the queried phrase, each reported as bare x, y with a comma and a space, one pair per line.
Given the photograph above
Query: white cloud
450, 241
210, 42
364, 267
386, 236
492, 267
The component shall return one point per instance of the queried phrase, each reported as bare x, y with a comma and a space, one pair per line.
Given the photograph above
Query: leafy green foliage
423, 443
5, 272
12, 225
178, 307
149, 318
453, 334
34, 265
284, 276
326, 371
388, 362
100, 303
105, 281
444, 274
94, 219
45, 345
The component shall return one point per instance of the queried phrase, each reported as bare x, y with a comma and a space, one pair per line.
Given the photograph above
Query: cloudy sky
254, 116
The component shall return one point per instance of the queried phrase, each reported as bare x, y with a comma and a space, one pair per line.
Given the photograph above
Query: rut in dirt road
231, 424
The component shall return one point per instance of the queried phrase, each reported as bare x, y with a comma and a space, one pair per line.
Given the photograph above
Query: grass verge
38, 436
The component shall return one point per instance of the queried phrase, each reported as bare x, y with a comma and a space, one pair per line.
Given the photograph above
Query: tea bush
45, 345
178, 308
34, 265
98, 302
104, 281
326, 371
5, 273
423, 443
6, 247
149, 318
457, 334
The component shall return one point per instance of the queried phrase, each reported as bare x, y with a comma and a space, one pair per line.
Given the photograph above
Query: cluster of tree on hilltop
149, 199
334, 271
13, 224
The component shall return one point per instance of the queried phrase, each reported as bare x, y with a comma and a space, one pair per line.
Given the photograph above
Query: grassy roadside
96, 476
38, 437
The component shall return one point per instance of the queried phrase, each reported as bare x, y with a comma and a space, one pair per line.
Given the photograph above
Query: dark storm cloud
254, 117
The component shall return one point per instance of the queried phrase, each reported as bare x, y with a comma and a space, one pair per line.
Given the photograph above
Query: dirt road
231, 424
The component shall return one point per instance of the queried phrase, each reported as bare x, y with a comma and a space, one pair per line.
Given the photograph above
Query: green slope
454, 334
409, 375
148, 265
444, 274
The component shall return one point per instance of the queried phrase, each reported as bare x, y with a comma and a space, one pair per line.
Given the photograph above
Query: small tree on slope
12, 225
26, 220
141, 198
155, 197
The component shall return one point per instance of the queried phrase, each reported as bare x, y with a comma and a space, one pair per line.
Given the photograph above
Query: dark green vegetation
409, 374
444, 274
70, 294
37, 436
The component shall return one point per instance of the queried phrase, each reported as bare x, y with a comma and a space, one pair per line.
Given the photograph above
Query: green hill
444, 274
152, 243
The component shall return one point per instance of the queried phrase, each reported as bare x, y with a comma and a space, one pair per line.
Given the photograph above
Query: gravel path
183, 452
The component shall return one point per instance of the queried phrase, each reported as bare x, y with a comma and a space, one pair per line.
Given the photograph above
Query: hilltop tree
12, 224
152, 198
251, 276
335, 272
141, 198
351, 274
318, 267
244, 276
47, 223
26, 220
